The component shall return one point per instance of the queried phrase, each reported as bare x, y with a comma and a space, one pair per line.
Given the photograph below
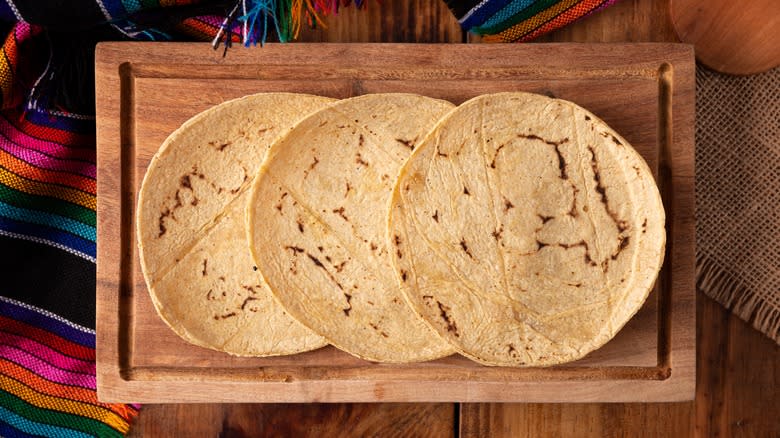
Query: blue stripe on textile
38, 429
48, 219
8, 431
85, 248
114, 8
487, 10
70, 124
46, 320
131, 5
7, 15
508, 12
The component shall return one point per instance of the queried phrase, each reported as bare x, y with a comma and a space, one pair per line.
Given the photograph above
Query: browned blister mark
340, 211
373, 246
279, 205
322, 123
385, 177
185, 183
263, 130
436, 216
300, 225
460, 148
396, 300
615, 139
222, 277
349, 304
556, 145
296, 250
540, 244
247, 300
163, 214
205, 266
361, 141
314, 163
319, 264
573, 210
340, 266
495, 156
602, 191
347, 188
497, 233
396, 239
407, 143
376, 327
210, 295
328, 259
507, 204
466, 191
622, 244
404, 275
243, 181
225, 316
549, 142
465, 248
219, 146
644, 226
443, 312
359, 160
545, 219
588, 259
250, 289
561, 162
587, 118
511, 350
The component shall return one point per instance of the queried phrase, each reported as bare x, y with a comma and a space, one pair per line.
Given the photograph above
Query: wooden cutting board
146, 90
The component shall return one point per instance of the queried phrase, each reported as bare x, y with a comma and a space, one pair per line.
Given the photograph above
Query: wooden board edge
111, 382
680, 154
123, 391
108, 267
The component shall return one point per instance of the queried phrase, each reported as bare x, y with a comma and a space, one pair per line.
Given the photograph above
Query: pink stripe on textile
12, 133
40, 160
51, 355
45, 370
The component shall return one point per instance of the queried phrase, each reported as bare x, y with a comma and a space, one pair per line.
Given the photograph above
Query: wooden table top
738, 372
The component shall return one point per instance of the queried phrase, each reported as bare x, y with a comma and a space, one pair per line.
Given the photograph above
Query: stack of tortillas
514, 229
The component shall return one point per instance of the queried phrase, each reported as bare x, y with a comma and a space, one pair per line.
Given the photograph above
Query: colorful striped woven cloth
520, 20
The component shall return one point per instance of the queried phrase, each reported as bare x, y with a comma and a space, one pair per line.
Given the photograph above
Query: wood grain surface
738, 367
737, 38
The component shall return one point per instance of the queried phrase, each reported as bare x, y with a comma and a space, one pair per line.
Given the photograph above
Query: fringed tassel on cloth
726, 289
256, 20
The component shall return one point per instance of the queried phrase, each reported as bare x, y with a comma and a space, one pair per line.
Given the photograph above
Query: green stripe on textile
16, 198
62, 419
525, 14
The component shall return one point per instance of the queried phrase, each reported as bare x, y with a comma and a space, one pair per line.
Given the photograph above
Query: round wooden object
735, 37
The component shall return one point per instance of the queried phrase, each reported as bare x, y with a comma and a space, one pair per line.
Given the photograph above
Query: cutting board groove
145, 91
